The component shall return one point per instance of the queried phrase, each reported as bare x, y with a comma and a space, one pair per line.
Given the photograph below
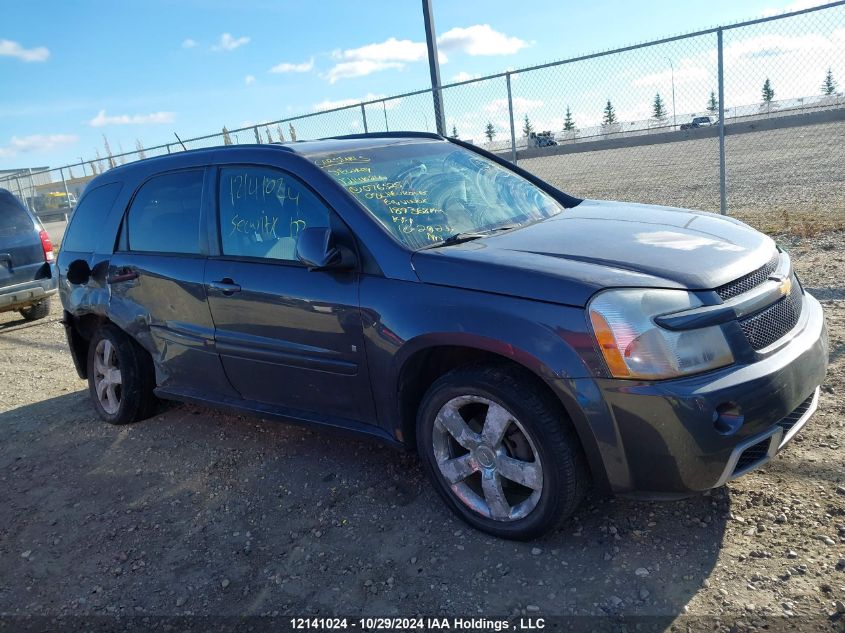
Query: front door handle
225, 285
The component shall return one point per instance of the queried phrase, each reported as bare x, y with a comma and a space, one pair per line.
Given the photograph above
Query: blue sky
74, 71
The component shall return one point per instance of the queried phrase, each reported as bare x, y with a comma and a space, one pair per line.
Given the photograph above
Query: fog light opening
727, 418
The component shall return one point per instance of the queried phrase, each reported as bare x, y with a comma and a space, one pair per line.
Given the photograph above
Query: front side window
165, 214
263, 210
424, 192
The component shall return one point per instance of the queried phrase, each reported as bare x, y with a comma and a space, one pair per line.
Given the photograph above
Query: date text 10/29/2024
418, 624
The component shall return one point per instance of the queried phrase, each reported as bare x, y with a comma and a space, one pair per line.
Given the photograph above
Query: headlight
634, 346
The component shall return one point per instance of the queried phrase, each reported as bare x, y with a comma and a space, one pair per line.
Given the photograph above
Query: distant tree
97, 166
279, 133
609, 114
227, 140
829, 85
454, 131
109, 155
527, 128
568, 122
269, 137
658, 110
712, 103
490, 131
292, 132
768, 92
139, 147
121, 158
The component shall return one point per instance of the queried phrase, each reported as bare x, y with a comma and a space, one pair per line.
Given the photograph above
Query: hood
597, 245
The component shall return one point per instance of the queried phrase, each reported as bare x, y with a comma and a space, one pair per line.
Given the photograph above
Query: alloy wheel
488, 459
108, 381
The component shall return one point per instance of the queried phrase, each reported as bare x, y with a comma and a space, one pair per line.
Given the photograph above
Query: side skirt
282, 414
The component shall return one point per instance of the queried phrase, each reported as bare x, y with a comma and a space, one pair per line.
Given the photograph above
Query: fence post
384, 107
257, 137
31, 190
20, 192
510, 115
364, 117
67, 193
723, 203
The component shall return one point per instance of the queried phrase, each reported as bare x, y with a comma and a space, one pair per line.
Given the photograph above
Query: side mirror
78, 272
314, 248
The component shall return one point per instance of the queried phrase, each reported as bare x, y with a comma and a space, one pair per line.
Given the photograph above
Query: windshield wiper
460, 237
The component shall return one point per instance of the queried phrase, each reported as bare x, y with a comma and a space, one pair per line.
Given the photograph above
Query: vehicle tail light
47, 245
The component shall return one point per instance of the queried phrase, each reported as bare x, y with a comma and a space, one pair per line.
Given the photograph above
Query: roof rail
386, 135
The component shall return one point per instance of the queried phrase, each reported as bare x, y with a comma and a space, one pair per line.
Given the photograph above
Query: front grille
787, 422
749, 281
766, 327
752, 455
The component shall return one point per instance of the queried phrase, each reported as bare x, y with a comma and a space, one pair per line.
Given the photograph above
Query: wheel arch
426, 359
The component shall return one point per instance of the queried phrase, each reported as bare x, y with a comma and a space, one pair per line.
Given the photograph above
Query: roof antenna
180, 141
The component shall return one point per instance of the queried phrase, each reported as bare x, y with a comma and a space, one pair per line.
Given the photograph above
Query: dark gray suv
528, 344
27, 269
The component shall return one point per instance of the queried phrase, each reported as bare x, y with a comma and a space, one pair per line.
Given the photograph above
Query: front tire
36, 310
120, 377
500, 451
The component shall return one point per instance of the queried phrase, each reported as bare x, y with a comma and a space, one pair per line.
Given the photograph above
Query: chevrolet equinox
526, 343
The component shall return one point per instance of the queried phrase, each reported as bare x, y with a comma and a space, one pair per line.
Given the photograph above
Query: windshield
422, 193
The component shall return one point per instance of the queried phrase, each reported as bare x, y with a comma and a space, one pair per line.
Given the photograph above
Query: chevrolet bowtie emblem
785, 286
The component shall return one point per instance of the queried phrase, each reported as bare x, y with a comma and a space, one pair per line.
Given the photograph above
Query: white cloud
329, 104
229, 43
347, 70
775, 44
390, 50
287, 67
798, 5
189, 43
465, 76
520, 105
8, 48
480, 39
103, 119
36, 143
249, 80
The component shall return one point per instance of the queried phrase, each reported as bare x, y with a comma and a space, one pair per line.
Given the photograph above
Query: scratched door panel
291, 337
286, 336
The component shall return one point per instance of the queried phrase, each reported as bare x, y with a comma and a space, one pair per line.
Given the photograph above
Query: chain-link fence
746, 119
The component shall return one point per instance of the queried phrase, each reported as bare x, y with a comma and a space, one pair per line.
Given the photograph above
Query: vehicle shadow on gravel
196, 511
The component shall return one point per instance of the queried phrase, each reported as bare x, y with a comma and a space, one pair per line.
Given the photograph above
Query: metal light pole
434, 67
674, 114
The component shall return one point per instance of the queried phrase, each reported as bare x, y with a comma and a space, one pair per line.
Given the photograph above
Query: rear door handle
225, 285
122, 274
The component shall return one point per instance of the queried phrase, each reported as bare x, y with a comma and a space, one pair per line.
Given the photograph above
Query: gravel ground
799, 170
199, 512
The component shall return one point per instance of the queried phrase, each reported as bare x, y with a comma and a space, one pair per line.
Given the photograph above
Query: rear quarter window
88, 218
13, 217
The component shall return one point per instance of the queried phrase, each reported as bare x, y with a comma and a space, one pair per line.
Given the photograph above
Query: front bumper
27, 293
658, 439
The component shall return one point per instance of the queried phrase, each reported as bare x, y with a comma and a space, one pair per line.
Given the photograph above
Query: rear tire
36, 310
121, 377
518, 469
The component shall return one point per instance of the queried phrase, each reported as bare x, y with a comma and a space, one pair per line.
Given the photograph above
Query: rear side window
88, 218
13, 216
165, 214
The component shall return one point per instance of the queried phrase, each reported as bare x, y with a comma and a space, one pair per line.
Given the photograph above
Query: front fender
404, 318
